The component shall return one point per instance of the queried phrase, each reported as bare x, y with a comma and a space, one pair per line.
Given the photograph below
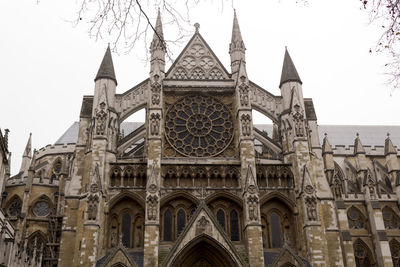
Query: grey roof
338, 135
71, 135
289, 72
106, 69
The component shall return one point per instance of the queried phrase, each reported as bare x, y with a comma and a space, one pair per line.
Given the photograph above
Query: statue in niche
252, 202
152, 206
114, 238
101, 120
155, 123
138, 236
92, 207
155, 90
337, 188
371, 188
246, 127
244, 92
298, 118
311, 206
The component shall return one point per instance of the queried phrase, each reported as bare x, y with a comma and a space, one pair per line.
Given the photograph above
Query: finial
357, 134
325, 134
388, 134
197, 26
285, 47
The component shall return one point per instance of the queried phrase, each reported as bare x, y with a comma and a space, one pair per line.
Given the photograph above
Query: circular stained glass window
199, 126
41, 208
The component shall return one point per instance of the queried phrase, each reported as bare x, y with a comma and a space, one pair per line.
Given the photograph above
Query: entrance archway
204, 251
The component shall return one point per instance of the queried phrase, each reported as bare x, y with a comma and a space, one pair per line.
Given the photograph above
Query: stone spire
26, 157
326, 147
236, 47
106, 70
358, 147
158, 37
157, 50
389, 148
289, 72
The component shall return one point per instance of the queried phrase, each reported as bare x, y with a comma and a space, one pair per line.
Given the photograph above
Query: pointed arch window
390, 219
181, 221
355, 218
221, 218
388, 183
276, 233
234, 223
126, 229
363, 255
395, 251
167, 225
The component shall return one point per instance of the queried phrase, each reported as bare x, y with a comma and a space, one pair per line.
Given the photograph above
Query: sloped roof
289, 72
106, 69
338, 135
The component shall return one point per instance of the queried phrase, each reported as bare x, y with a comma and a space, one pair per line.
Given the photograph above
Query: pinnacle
358, 147
289, 72
326, 147
236, 34
389, 148
28, 148
106, 70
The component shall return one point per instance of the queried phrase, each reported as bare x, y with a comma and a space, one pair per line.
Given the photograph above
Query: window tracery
355, 218
199, 126
390, 219
181, 221
395, 252
132, 176
234, 223
15, 206
221, 218
362, 254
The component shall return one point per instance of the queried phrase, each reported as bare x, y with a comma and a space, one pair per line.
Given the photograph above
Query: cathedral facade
198, 184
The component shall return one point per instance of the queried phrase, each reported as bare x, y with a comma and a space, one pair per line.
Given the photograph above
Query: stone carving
244, 92
252, 202
298, 119
311, 207
152, 206
114, 238
92, 205
264, 101
246, 124
198, 74
202, 225
155, 123
101, 120
337, 188
155, 90
371, 188
309, 189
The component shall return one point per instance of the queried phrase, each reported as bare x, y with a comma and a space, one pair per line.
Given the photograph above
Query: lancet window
355, 218
221, 218
362, 254
234, 223
395, 251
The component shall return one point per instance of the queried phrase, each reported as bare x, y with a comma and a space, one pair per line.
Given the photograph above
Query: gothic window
234, 224
395, 251
362, 254
356, 219
199, 126
276, 232
57, 166
390, 219
388, 183
126, 229
37, 244
128, 177
221, 218
167, 225
181, 221
15, 206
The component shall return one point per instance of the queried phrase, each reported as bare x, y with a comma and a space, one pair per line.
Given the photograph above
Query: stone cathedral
198, 184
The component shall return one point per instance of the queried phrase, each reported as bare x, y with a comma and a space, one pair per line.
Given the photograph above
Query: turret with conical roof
289, 72
237, 49
106, 70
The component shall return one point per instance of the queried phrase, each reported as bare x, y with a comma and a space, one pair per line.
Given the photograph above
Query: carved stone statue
244, 92
155, 91
92, 207
101, 120
298, 119
114, 240
155, 124
311, 206
152, 206
252, 208
246, 127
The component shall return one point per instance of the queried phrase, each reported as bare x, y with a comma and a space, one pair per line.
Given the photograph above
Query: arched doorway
204, 251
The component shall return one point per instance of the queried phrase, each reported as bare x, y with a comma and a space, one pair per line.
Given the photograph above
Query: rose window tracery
199, 126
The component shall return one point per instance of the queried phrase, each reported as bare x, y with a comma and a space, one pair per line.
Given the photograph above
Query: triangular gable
118, 255
203, 222
287, 257
197, 62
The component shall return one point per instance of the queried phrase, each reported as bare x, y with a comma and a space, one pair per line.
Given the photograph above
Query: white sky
47, 65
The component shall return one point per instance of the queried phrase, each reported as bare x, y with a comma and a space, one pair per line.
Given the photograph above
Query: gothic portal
198, 184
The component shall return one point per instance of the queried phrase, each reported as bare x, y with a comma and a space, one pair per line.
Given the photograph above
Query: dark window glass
181, 221
276, 231
234, 225
126, 230
167, 226
221, 218
362, 256
388, 183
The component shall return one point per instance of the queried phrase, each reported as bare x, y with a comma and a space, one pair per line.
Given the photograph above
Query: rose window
199, 126
41, 208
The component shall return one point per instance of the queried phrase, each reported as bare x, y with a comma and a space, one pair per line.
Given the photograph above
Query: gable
197, 62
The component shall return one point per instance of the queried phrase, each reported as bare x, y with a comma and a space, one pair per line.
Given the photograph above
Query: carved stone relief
246, 124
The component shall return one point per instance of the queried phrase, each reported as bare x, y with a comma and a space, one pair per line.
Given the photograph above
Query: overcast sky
47, 65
